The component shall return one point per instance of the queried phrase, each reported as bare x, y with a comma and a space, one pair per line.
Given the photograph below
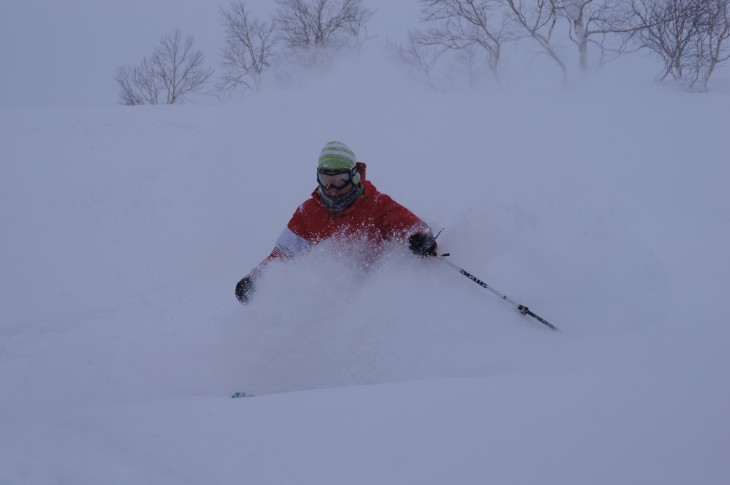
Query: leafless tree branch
174, 68
248, 49
419, 57
320, 23
594, 22
688, 35
460, 24
538, 19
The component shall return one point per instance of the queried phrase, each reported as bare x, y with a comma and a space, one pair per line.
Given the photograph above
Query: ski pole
521, 308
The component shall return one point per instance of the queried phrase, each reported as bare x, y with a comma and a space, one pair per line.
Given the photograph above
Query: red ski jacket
374, 217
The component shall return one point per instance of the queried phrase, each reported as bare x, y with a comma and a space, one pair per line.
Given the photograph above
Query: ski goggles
334, 179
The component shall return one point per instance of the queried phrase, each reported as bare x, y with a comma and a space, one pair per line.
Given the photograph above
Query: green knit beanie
336, 156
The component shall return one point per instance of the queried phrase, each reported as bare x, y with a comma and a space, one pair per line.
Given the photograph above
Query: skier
345, 205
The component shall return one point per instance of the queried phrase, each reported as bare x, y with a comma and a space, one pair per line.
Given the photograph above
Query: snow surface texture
603, 208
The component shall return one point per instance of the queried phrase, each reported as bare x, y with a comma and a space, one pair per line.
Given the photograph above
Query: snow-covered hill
603, 208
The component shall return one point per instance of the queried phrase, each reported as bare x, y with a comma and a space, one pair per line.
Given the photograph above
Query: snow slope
602, 207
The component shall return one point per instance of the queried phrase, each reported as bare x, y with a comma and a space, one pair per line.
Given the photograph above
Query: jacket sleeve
288, 245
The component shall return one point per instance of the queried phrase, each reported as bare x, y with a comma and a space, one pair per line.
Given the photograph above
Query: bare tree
461, 24
469, 63
174, 68
248, 49
668, 29
138, 84
320, 23
179, 67
419, 58
688, 35
593, 22
711, 48
539, 18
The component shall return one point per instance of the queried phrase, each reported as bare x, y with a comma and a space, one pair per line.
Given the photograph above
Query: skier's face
334, 192
334, 183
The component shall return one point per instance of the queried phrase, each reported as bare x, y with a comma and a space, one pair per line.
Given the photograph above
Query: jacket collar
361, 167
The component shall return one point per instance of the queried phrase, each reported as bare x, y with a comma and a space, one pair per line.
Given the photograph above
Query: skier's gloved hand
422, 244
244, 289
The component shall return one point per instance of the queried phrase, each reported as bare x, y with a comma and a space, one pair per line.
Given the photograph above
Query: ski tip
237, 395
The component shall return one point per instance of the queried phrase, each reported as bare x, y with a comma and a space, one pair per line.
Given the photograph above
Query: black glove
422, 244
244, 289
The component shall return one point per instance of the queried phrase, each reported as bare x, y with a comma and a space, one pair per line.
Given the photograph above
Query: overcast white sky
65, 52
